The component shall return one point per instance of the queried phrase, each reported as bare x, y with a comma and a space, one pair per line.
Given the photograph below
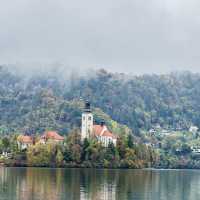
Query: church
91, 130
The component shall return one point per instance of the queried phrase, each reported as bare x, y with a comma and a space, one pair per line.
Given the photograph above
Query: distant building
149, 144
159, 131
157, 127
165, 132
51, 136
100, 132
24, 141
193, 129
152, 132
195, 150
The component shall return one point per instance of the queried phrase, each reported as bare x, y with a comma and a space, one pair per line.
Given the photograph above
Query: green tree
121, 148
86, 144
40, 155
59, 158
130, 141
5, 143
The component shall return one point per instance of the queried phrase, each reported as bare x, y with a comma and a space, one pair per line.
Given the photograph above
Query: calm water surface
75, 184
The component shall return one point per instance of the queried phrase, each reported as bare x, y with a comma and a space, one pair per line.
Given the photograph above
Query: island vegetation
75, 153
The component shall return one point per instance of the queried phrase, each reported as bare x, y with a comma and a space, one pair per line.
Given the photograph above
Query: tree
110, 152
86, 144
76, 153
130, 141
186, 149
40, 155
129, 160
5, 143
121, 148
59, 158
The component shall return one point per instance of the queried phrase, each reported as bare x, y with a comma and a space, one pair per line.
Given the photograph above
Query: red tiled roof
108, 134
25, 139
102, 131
98, 129
52, 135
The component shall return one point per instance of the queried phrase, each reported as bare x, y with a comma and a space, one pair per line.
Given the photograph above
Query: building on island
51, 136
100, 132
24, 141
87, 122
103, 135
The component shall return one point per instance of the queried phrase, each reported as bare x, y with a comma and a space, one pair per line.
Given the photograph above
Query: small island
92, 146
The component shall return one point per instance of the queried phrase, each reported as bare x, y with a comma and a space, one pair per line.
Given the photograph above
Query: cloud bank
136, 36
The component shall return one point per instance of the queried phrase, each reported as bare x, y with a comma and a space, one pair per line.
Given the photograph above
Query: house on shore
193, 129
24, 141
100, 132
195, 150
51, 136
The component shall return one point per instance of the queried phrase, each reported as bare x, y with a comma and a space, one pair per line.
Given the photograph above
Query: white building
100, 132
87, 122
193, 129
195, 150
152, 132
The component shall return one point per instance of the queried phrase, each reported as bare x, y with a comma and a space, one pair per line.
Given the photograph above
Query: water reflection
87, 184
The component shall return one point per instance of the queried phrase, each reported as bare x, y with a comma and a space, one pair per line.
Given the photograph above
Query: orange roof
25, 139
102, 131
52, 135
108, 134
98, 129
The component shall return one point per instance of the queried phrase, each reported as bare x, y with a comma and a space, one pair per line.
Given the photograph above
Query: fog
131, 36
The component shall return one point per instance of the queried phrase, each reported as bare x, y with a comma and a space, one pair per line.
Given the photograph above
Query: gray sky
138, 36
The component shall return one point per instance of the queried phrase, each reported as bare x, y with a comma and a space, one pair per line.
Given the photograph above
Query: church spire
87, 107
87, 122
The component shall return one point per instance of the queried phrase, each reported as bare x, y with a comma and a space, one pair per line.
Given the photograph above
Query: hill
140, 102
52, 100
37, 103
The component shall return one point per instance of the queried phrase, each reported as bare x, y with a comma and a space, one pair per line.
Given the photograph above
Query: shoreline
2, 165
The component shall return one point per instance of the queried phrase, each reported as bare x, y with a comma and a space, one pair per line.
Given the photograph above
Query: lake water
75, 184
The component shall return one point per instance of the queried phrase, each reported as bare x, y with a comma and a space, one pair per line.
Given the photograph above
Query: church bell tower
87, 122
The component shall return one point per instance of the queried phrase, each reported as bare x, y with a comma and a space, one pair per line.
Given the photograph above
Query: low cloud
126, 36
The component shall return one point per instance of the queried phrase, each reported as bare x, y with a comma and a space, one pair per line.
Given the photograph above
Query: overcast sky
138, 36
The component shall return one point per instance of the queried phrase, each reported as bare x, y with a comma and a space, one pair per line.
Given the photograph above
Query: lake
91, 184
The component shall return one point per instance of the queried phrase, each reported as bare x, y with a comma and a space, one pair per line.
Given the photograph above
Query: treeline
74, 153
91, 154
171, 100
33, 104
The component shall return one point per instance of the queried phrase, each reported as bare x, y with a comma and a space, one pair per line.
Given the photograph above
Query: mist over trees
171, 100
54, 101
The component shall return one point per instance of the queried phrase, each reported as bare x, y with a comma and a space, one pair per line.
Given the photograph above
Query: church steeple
87, 121
87, 107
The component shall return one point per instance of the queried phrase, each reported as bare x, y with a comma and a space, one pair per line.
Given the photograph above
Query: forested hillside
53, 101
33, 104
142, 101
